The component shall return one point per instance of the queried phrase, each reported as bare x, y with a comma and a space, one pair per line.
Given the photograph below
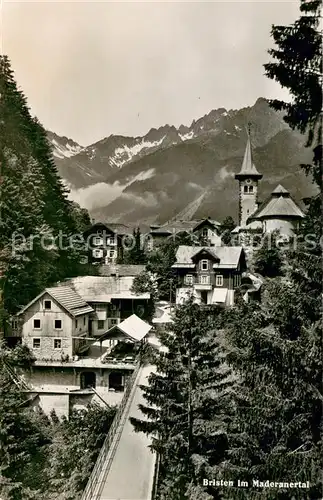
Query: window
97, 240
100, 324
97, 253
250, 189
58, 324
219, 280
47, 304
204, 279
14, 324
236, 280
188, 280
84, 320
57, 343
245, 189
88, 379
114, 321
111, 240
205, 232
116, 381
112, 254
149, 245
36, 343
76, 323
36, 323
204, 265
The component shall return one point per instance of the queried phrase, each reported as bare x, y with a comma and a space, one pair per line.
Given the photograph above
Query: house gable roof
205, 252
206, 222
111, 227
133, 327
229, 257
66, 298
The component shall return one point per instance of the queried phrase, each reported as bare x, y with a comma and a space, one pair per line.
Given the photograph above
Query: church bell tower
248, 178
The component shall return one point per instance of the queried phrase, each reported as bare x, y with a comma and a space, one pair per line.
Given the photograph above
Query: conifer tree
276, 349
37, 220
136, 253
188, 403
267, 259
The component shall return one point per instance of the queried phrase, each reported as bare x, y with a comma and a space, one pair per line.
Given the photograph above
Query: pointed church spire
248, 168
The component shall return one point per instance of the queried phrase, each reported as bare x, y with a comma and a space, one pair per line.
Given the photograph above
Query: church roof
248, 168
280, 190
279, 204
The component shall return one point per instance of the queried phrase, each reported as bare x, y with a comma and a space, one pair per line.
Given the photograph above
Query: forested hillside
36, 218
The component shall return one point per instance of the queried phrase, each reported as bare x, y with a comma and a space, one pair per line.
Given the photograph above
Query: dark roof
114, 227
71, 301
208, 250
121, 270
182, 226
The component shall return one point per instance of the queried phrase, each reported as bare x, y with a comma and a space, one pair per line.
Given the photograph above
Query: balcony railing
202, 286
95, 479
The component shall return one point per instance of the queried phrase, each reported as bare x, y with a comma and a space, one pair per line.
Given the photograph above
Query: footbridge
125, 466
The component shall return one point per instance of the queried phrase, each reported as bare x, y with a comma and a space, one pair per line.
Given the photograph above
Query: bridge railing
91, 487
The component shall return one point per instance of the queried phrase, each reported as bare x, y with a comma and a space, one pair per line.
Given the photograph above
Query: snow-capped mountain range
116, 151
154, 177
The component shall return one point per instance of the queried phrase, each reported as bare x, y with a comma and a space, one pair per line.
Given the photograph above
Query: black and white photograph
161, 250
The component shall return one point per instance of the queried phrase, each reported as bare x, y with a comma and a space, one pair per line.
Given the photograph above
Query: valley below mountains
185, 172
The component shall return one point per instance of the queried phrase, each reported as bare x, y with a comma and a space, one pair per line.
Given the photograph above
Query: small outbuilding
132, 329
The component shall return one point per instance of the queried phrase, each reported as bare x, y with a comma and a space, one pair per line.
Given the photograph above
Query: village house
72, 367
55, 324
204, 230
210, 274
105, 242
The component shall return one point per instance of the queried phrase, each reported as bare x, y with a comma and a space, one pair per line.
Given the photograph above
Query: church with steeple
278, 213
248, 178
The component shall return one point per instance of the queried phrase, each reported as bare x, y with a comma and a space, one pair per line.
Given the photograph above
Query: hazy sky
93, 69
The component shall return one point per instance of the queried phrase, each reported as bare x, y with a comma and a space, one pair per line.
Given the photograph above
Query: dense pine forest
37, 220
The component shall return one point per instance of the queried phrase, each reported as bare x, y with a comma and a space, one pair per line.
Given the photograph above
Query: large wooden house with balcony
104, 242
210, 274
